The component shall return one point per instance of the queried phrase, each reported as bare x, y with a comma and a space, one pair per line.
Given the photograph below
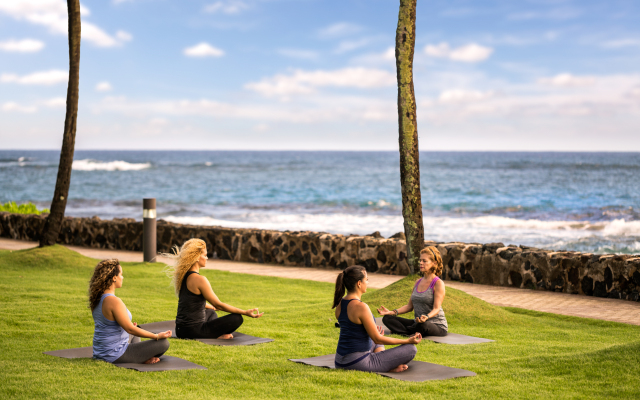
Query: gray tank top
423, 304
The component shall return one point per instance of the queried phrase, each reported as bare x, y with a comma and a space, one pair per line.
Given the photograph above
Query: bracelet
396, 311
157, 337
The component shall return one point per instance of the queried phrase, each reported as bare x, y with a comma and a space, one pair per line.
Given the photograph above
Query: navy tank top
353, 337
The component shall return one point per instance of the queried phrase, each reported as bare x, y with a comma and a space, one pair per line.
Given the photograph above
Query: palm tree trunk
53, 223
408, 124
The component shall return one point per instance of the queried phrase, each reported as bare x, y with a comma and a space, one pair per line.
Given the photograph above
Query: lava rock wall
613, 276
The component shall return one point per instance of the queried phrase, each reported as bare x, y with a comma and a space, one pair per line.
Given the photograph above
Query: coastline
612, 276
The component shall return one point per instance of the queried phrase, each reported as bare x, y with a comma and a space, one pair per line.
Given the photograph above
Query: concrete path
376, 281
551, 302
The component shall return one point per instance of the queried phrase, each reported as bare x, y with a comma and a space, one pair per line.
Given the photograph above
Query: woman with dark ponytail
360, 346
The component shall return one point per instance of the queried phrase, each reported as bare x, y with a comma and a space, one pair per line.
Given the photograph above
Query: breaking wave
93, 165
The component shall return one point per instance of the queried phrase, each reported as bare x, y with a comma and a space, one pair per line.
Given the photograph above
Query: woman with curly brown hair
111, 338
426, 301
197, 318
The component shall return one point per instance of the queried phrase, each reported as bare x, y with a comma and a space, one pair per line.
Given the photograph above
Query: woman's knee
236, 319
387, 318
163, 345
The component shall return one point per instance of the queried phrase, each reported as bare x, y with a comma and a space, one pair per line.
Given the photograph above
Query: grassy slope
43, 307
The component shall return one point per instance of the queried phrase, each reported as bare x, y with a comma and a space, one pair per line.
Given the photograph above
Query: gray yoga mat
451, 338
166, 363
239, 339
418, 371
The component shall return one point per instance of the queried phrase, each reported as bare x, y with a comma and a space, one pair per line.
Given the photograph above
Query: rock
399, 235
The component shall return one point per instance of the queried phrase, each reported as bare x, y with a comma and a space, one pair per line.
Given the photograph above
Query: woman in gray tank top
426, 301
115, 338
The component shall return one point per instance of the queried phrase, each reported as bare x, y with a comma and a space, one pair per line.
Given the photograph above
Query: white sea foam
93, 165
486, 229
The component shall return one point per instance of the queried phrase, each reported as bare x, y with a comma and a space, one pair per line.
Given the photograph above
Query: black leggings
138, 352
212, 328
407, 327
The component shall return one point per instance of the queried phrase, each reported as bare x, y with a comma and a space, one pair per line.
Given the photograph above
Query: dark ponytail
347, 279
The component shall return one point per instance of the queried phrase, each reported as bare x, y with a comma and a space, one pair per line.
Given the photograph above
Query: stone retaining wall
614, 276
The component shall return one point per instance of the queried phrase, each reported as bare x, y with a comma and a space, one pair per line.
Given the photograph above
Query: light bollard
149, 246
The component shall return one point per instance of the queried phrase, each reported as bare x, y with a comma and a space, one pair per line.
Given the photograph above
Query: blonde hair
434, 254
101, 280
185, 258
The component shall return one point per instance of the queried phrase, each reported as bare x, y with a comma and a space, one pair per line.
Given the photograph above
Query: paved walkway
557, 303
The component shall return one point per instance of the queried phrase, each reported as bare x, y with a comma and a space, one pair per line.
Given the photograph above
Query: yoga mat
451, 338
239, 339
166, 363
418, 371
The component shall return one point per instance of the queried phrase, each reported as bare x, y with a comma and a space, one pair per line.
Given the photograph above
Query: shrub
26, 208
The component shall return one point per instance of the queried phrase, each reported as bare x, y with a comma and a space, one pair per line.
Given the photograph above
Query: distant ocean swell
566, 201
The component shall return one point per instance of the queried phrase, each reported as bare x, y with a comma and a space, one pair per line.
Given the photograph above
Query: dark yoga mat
418, 371
239, 339
451, 338
166, 363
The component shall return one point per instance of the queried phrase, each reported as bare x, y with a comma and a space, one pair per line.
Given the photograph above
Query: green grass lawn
43, 306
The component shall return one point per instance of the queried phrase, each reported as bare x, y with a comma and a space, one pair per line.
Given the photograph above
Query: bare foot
152, 360
400, 368
227, 336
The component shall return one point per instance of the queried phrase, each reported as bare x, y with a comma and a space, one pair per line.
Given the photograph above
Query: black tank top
190, 305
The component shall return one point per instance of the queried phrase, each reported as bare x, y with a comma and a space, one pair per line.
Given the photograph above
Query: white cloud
339, 29
261, 128
468, 53
463, 96
22, 46
103, 87
558, 13
304, 82
314, 109
203, 50
15, 107
158, 121
55, 102
349, 45
53, 15
635, 92
37, 78
567, 80
299, 54
227, 7
620, 43
124, 36
387, 57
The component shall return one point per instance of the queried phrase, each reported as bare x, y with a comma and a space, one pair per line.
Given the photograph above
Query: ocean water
566, 201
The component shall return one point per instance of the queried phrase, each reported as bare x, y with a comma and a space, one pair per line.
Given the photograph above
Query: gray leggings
138, 352
382, 361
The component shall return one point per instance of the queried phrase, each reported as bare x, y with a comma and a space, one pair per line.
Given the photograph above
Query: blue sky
532, 75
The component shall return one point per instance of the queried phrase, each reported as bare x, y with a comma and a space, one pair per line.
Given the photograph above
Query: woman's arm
119, 312
402, 310
204, 287
363, 313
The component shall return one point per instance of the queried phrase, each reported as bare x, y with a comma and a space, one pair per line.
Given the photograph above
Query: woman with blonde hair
426, 301
116, 339
197, 318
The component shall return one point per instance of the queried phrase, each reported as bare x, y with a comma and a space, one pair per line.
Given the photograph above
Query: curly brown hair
102, 280
183, 259
434, 254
